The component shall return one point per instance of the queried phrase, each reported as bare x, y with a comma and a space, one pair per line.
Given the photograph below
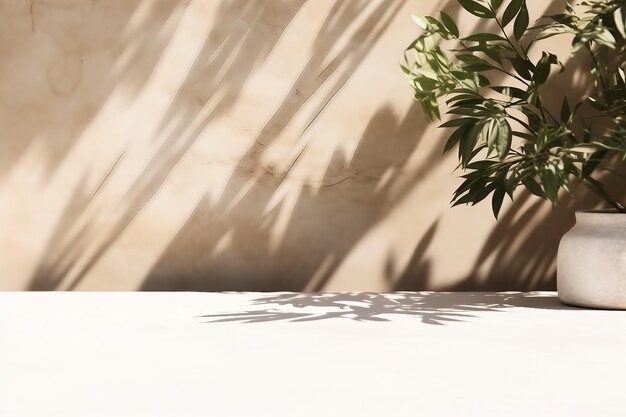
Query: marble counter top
292, 354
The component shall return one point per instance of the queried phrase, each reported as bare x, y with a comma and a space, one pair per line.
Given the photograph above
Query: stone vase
591, 261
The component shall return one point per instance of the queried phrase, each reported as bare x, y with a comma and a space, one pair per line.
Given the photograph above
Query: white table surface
288, 354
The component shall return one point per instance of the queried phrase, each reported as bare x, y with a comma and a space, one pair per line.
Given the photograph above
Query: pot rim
602, 217
600, 211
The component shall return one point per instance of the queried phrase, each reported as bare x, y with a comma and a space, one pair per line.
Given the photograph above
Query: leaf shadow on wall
193, 258
231, 53
67, 51
81, 237
227, 245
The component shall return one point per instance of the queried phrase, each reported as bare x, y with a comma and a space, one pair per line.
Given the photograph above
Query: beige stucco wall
244, 145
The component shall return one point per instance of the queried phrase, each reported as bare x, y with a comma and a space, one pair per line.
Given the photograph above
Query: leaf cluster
504, 134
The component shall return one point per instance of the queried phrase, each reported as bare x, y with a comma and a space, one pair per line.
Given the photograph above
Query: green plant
506, 136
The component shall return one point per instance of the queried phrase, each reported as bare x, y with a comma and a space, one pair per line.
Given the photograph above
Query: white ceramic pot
591, 262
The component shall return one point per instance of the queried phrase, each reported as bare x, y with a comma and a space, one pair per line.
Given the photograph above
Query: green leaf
420, 21
542, 70
448, 22
596, 104
509, 185
476, 9
523, 67
494, 54
532, 186
468, 142
524, 135
533, 119
482, 80
533, 96
487, 48
469, 58
490, 133
478, 67
462, 98
474, 111
476, 194
605, 37
455, 137
513, 92
459, 122
505, 136
482, 193
426, 72
468, 102
428, 102
465, 91
550, 153
592, 163
484, 37
472, 182
495, 4
476, 151
511, 11
620, 20
565, 111
496, 200
480, 165
550, 183
521, 22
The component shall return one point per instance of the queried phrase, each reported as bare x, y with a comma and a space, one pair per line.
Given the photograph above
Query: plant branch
597, 187
506, 36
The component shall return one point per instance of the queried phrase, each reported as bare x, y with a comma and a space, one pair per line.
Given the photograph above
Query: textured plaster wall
237, 145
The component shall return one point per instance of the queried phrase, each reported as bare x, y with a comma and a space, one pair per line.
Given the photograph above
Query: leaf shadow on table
436, 308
